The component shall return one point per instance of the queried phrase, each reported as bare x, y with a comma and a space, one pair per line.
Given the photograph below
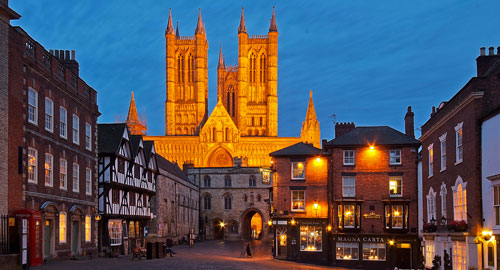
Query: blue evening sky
365, 61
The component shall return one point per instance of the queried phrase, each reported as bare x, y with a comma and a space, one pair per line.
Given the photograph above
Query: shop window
459, 255
374, 251
349, 216
310, 238
62, 227
131, 229
298, 172
429, 252
396, 216
88, 227
115, 232
347, 251
395, 157
298, 200
348, 157
395, 186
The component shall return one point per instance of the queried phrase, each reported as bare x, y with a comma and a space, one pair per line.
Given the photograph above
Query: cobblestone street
205, 255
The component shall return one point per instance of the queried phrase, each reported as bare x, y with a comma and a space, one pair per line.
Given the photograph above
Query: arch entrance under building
218, 229
252, 225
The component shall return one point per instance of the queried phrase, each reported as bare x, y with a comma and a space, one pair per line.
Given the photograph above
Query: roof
298, 149
170, 167
135, 140
148, 148
109, 137
379, 135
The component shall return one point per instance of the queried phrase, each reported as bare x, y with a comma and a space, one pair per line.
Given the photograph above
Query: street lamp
315, 205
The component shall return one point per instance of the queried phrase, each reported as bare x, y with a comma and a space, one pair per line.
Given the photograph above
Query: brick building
300, 207
234, 202
451, 170
176, 204
373, 196
52, 170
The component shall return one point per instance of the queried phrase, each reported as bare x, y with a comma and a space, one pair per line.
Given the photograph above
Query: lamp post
315, 205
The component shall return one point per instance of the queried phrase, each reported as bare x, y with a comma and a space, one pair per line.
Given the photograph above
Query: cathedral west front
244, 123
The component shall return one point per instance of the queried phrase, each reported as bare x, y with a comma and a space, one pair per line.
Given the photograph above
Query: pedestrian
170, 251
191, 238
249, 252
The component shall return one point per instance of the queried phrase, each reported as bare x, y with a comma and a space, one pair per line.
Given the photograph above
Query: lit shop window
62, 227
374, 251
347, 251
87, 229
310, 238
115, 232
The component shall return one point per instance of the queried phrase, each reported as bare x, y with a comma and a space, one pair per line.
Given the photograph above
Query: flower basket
457, 226
428, 227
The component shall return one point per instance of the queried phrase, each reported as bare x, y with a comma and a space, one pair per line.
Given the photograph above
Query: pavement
206, 255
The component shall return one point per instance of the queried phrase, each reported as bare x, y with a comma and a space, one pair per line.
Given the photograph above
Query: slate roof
170, 167
378, 135
148, 148
298, 149
109, 137
134, 144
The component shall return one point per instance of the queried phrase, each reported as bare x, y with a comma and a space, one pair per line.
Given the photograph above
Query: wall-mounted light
315, 205
269, 223
391, 242
329, 228
292, 222
372, 147
222, 224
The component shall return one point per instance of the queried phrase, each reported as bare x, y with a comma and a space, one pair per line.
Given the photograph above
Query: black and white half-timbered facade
127, 183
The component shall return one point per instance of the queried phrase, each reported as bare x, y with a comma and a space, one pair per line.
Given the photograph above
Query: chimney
485, 62
409, 123
343, 128
186, 167
67, 59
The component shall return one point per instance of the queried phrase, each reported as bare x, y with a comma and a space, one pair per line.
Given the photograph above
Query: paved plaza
205, 255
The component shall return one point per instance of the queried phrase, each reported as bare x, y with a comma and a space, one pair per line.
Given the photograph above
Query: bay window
347, 251
396, 216
374, 251
349, 216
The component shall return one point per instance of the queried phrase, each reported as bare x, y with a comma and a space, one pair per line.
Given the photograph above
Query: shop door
403, 256
281, 240
74, 237
47, 237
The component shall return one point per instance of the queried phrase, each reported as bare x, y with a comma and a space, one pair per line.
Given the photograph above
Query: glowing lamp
329, 228
372, 147
396, 213
269, 223
222, 224
318, 160
97, 217
315, 206
391, 242
292, 222
487, 235
300, 165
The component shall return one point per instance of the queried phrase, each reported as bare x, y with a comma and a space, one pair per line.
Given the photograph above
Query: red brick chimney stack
409, 123
485, 62
67, 59
343, 128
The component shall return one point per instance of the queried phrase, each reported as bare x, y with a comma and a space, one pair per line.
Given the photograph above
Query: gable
219, 127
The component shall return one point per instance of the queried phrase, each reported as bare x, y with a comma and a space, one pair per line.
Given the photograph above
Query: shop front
301, 239
374, 251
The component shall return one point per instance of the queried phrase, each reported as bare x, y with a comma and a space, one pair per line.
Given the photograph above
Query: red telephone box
29, 223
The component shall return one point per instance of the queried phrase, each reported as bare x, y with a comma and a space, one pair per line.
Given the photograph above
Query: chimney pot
51, 51
482, 51
67, 55
491, 51
498, 50
72, 54
409, 123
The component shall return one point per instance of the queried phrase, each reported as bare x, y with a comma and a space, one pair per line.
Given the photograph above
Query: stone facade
244, 122
176, 204
43, 149
229, 199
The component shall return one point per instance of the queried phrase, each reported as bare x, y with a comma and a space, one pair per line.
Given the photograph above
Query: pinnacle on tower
132, 110
273, 27
200, 27
242, 28
221, 59
310, 132
177, 30
170, 25
135, 126
311, 111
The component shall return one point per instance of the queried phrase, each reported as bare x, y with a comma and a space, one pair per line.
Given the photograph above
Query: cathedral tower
187, 80
310, 132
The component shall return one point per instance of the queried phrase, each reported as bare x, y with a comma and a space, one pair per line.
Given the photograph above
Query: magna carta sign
359, 239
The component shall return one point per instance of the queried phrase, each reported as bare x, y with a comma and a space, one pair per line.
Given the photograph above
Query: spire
221, 59
242, 28
310, 132
273, 27
200, 27
170, 25
134, 124
177, 30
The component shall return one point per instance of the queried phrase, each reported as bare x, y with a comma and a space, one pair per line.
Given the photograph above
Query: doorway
218, 229
281, 240
403, 256
75, 239
47, 238
252, 225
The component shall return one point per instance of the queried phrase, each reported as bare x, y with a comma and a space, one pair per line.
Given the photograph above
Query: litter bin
159, 250
151, 251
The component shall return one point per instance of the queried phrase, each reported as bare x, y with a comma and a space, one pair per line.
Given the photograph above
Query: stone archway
218, 230
252, 222
220, 158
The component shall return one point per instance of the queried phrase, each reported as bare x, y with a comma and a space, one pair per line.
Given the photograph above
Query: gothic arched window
227, 180
190, 68
207, 202
227, 202
252, 68
206, 181
252, 181
180, 68
262, 68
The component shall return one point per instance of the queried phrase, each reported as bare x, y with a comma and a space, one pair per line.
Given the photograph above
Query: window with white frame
496, 204
459, 142
76, 125
88, 226
115, 232
63, 123
76, 177
32, 165
348, 186
396, 216
88, 181
49, 115
395, 157
49, 165
349, 216
348, 157
431, 159
431, 205
62, 227
430, 252
460, 200
374, 251
298, 200
347, 251
63, 174
459, 255
88, 136
395, 186
443, 200
442, 143
311, 238
298, 170
32, 106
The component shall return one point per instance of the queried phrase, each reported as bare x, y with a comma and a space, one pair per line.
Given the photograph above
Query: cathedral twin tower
247, 91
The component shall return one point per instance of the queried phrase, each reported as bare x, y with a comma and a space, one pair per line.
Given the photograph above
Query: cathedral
244, 123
